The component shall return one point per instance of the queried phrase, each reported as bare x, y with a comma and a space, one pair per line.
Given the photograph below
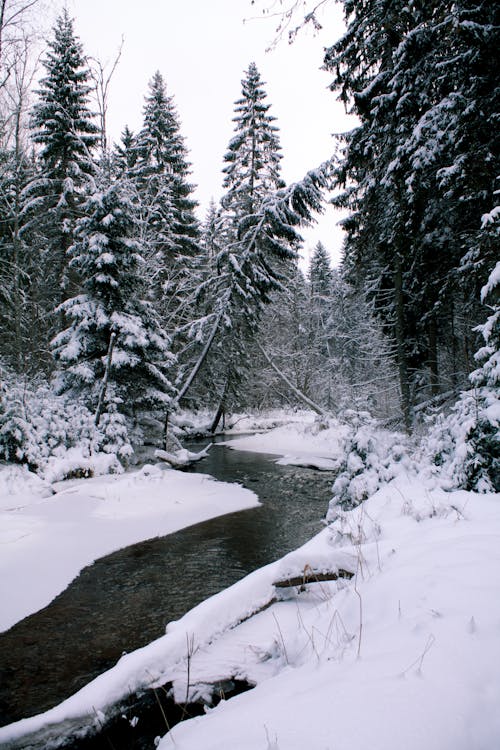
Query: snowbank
46, 539
404, 656
310, 442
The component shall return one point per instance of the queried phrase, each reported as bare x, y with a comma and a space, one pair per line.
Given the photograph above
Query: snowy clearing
46, 539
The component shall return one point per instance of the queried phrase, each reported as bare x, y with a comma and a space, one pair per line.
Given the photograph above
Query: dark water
123, 600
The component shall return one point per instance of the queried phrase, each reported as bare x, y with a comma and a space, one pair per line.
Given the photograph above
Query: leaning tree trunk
301, 396
222, 406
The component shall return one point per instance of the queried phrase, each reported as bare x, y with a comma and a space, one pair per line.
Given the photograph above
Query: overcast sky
202, 48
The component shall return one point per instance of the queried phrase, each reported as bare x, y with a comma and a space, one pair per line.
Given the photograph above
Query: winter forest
127, 318
119, 306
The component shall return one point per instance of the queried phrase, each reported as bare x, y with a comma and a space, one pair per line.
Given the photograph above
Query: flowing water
123, 601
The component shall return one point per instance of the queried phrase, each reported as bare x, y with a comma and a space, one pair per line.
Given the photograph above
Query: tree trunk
433, 357
399, 330
221, 409
104, 386
301, 396
165, 431
199, 362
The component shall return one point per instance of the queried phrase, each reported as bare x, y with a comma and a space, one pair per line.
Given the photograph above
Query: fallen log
312, 577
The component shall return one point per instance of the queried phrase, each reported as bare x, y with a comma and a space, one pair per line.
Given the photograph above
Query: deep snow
404, 655
46, 539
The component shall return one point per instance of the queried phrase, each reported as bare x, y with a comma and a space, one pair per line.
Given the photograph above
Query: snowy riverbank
405, 654
46, 539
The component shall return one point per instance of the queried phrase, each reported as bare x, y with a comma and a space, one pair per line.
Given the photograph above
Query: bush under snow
57, 437
372, 457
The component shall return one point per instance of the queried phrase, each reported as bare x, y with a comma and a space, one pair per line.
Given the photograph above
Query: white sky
202, 48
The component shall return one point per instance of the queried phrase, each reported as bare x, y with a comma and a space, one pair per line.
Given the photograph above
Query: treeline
418, 175
114, 292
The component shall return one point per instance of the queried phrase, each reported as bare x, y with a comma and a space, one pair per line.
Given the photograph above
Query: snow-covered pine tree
252, 174
64, 129
212, 233
22, 322
162, 158
482, 464
420, 129
253, 157
236, 294
124, 155
321, 290
114, 354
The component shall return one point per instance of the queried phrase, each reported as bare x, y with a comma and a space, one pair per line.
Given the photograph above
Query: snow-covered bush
16, 434
466, 444
372, 456
56, 436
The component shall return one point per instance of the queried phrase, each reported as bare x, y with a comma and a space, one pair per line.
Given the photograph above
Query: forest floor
405, 654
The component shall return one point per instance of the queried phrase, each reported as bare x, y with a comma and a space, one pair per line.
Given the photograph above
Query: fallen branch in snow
182, 457
311, 577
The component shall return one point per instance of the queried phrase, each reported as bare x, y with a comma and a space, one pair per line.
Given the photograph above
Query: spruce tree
417, 171
254, 153
161, 156
246, 272
124, 154
64, 130
114, 353
482, 466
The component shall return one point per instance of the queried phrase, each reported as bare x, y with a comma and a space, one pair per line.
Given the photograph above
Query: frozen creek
124, 600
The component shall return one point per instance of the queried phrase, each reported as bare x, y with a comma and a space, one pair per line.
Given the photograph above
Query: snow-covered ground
307, 442
405, 654
46, 539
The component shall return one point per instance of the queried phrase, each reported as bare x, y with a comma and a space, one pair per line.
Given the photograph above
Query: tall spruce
162, 174
65, 132
253, 157
114, 353
245, 272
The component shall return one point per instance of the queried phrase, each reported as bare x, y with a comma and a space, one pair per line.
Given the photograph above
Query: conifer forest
249, 483
119, 305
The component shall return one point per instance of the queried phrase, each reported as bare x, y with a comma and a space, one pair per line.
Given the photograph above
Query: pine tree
114, 354
247, 270
65, 131
22, 326
124, 155
321, 290
421, 80
212, 233
482, 469
236, 294
254, 153
161, 156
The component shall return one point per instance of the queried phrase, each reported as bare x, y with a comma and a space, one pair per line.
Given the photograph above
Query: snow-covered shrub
466, 444
372, 456
16, 433
112, 436
56, 436
463, 446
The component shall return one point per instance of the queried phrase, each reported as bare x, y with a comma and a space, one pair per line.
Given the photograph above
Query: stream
124, 600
